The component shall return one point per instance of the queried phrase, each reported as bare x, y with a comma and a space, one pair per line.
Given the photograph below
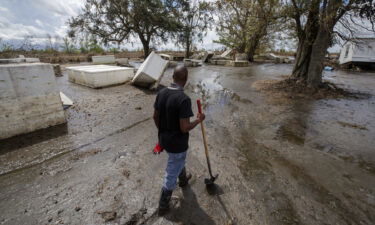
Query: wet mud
280, 160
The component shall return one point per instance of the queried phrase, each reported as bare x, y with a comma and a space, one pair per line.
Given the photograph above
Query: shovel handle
199, 104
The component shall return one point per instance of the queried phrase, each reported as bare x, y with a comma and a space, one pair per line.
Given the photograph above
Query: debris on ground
57, 70
136, 217
352, 125
67, 102
293, 88
108, 215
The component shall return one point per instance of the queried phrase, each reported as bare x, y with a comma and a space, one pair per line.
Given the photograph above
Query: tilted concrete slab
29, 99
65, 100
226, 53
151, 71
97, 76
103, 59
166, 57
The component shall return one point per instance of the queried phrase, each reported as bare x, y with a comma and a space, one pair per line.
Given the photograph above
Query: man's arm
186, 125
156, 118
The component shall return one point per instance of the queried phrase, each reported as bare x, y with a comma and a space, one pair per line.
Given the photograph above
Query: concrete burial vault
151, 71
29, 99
103, 59
97, 76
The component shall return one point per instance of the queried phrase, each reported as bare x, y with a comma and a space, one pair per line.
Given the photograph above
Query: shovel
210, 185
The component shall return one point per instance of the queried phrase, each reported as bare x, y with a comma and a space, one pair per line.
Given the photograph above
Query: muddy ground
280, 160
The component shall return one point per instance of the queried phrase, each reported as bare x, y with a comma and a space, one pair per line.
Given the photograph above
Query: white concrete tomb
103, 59
29, 99
97, 76
151, 70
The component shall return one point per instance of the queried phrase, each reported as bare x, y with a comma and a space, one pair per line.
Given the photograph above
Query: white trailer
362, 51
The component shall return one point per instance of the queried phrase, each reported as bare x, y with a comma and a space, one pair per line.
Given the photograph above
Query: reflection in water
293, 127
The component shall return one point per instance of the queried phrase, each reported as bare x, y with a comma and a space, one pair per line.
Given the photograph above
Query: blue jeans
176, 162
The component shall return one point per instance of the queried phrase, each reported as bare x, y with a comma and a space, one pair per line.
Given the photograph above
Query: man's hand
201, 117
157, 149
186, 125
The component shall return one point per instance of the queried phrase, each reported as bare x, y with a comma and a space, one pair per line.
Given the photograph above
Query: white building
362, 51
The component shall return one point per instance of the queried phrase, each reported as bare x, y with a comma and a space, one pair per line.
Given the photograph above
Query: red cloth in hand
157, 149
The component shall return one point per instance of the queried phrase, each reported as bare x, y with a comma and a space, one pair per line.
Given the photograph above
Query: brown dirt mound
293, 88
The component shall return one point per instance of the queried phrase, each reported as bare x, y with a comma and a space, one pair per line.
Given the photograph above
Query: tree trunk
250, 56
146, 45
187, 46
302, 63
319, 50
253, 45
146, 48
306, 38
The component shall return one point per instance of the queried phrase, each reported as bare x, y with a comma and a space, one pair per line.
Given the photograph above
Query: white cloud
62, 8
11, 31
40, 23
2, 9
36, 17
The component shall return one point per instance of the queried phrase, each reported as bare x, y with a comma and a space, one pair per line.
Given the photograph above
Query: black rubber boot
165, 197
183, 178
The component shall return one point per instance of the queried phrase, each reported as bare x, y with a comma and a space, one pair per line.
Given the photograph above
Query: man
172, 118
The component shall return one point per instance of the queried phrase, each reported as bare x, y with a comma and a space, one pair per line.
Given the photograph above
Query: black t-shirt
173, 105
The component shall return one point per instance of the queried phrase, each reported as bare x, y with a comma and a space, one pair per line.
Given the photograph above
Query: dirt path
281, 161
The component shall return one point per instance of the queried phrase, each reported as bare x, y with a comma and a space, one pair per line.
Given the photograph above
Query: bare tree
27, 43
68, 45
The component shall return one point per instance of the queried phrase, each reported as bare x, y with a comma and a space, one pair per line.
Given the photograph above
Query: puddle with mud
281, 161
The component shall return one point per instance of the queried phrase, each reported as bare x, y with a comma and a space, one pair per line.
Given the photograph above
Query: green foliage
114, 50
95, 48
50, 51
118, 20
195, 17
90, 44
5, 47
243, 25
68, 45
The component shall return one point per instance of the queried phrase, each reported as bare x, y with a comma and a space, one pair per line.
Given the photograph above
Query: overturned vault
151, 71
